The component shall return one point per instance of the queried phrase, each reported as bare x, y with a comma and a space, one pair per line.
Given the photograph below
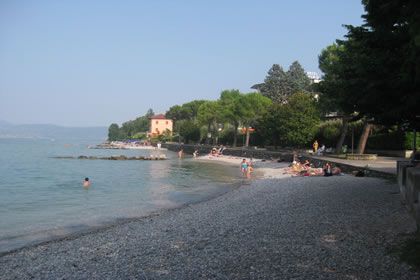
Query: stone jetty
116, 157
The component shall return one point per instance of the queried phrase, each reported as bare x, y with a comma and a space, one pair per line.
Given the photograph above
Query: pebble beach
274, 227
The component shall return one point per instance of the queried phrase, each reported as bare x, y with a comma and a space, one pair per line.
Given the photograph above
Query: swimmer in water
86, 182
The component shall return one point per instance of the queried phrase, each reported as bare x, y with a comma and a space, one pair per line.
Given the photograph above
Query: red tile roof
160, 116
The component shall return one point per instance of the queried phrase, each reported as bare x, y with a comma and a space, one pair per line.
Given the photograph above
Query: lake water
42, 197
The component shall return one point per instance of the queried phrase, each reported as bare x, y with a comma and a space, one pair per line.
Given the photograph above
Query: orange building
159, 124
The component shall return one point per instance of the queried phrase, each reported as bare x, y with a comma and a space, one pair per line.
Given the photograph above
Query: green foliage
291, 124
188, 111
252, 107
113, 132
165, 137
277, 85
130, 129
174, 113
208, 114
299, 81
190, 131
396, 140
231, 106
328, 133
377, 72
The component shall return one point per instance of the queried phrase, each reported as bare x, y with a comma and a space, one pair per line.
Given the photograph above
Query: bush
190, 131
328, 133
397, 140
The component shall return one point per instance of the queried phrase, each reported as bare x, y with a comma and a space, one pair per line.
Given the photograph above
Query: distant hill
8, 130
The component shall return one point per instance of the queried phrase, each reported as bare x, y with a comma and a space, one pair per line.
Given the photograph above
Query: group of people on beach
297, 168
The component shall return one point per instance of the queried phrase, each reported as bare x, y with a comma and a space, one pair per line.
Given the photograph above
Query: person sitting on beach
327, 170
86, 182
244, 168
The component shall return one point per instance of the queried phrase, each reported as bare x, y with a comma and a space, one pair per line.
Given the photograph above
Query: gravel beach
282, 228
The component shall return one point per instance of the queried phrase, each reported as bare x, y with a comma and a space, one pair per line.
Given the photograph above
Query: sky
93, 63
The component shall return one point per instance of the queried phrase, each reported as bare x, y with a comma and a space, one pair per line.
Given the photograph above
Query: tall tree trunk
247, 136
343, 134
215, 132
235, 134
208, 132
363, 139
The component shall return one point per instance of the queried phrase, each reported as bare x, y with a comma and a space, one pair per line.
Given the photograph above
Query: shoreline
265, 228
116, 223
266, 169
56, 235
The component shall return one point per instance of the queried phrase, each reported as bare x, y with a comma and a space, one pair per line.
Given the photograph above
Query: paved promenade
383, 164
336, 227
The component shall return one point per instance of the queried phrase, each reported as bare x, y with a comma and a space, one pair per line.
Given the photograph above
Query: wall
238, 152
409, 182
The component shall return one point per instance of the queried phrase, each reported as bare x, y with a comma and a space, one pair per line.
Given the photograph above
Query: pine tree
299, 81
277, 85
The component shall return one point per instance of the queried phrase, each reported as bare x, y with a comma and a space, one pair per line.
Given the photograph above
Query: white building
314, 77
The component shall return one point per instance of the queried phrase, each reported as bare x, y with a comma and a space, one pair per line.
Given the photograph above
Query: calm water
42, 197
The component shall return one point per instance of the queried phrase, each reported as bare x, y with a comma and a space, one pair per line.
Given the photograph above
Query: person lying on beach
295, 168
336, 170
310, 173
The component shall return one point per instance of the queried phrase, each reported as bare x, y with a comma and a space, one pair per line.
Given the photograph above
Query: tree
113, 132
277, 85
380, 62
269, 125
208, 113
388, 48
336, 89
251, 107
231, 109
190, 110
149, 113
297, 120
299, 81
174, 112
189, 131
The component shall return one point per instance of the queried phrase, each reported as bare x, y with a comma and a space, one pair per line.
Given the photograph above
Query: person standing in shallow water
180, 154
244, 168
86, 182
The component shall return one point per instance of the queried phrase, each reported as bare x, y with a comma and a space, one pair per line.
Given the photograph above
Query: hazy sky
91, 63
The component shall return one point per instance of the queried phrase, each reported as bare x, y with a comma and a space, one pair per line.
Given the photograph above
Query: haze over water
42, 197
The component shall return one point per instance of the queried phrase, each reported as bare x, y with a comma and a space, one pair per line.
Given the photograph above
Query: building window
167, 122
157, 122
